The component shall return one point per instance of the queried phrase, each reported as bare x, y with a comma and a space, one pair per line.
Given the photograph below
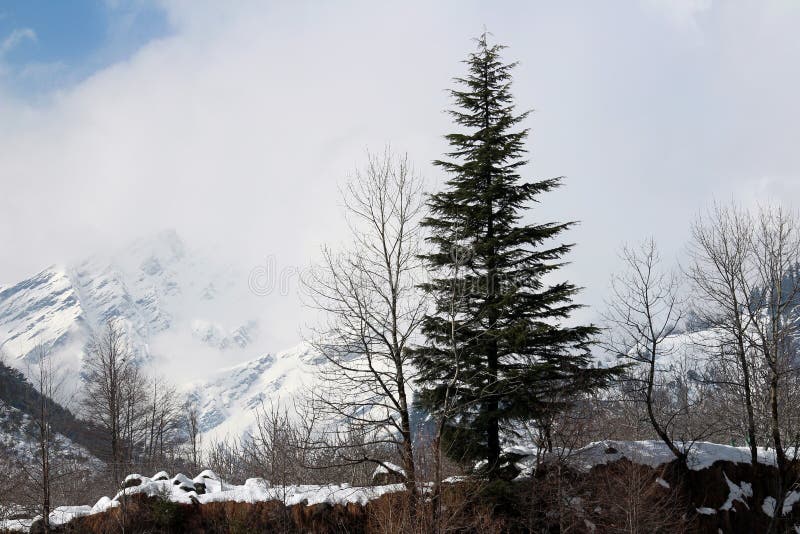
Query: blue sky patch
47, 45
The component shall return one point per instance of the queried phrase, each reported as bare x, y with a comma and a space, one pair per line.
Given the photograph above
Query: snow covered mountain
17, 441
19, 400
230, 401
177, 307
174, 303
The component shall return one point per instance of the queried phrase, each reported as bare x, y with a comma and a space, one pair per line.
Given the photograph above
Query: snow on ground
792, 498
207, 487
655, 453
737, 492
768, 506
182, 489
701, 455
59, 516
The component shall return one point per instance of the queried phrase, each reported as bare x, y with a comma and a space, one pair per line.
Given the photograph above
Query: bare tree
193, 428
51, 463
278, 449
275, 447
720, 250
643, 312
135, 407
41, 474
773, 289
113, 394
227, 459
372, 309
163, 422
628, 499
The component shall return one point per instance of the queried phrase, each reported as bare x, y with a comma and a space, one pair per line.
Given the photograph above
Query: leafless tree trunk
44, 381
114, 394
193, 426
163, 419
643, 312
721, 248
51, 465
773, 289
372, 307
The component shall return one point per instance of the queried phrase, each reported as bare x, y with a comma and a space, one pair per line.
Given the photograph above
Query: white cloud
15, 38
683, 15
236, 128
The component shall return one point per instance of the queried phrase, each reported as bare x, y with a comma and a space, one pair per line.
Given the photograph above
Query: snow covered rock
654, 453
132, 480
183, 482
388, 473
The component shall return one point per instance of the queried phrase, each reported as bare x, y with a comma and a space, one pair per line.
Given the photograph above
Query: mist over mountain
179, 308
188, 318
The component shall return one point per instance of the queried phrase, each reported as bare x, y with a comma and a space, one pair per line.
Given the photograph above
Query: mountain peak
152, 253
155, 285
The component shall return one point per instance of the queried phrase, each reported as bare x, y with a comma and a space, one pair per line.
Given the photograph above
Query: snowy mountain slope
181, 311
230, 401
215, 335
172, 302
16, 441
19, 402
680, 350
42, 309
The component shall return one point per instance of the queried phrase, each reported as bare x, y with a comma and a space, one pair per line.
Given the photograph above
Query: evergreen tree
496, 351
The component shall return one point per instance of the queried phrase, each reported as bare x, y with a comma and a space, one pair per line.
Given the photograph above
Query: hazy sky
232, 122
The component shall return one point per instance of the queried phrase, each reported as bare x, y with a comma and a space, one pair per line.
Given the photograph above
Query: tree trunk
748, 402
492, 423
651, 414
408, 446
436, 495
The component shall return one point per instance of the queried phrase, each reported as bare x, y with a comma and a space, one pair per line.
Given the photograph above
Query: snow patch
791, 499
654, 453
768, 506
737, 492
387, 468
